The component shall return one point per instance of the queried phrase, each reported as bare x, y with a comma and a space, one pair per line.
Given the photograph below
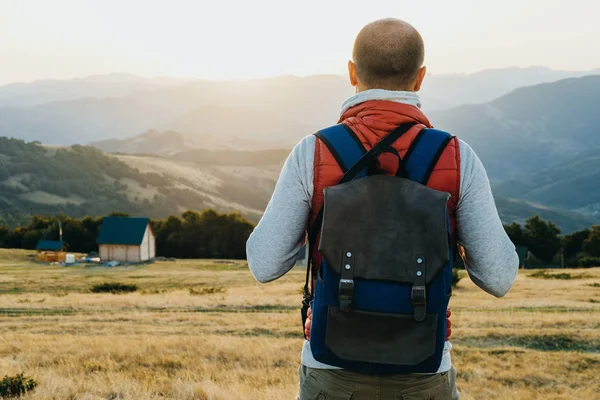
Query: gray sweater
273, 247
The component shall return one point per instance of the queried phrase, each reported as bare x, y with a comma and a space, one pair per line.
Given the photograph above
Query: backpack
382, 290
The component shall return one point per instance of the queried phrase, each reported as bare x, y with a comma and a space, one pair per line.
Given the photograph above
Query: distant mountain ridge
514, 210
112, 111
447, 91
569, 184
159, 143
88, 120
530, 128
97, 86
251, 129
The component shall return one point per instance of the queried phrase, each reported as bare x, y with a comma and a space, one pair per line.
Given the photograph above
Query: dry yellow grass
231, 338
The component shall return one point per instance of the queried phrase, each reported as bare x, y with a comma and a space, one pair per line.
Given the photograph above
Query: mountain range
569, 184
121, 106
98, 86
184, 145
530, 128
440, 92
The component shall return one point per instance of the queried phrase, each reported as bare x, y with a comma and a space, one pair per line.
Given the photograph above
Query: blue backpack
383, 287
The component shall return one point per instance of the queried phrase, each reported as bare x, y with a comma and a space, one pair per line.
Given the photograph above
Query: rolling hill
569, 184
170, 143
531, 128
237, 129
153, 142
513, 210
241, 128
82, 181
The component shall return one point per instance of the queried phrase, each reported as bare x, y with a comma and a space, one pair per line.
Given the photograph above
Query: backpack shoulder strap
424, 153
347, 150
343, 144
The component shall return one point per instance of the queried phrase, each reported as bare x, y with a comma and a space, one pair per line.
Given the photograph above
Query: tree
516, 234
118, 214
5, 234
591, 245
31, 239
542, 238
572, 244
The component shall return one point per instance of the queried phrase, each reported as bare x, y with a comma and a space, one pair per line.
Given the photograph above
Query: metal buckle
346, 293
418, 295
419, 302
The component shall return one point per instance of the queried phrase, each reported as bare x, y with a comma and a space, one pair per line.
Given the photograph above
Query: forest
209, 234
206, 234
548, 247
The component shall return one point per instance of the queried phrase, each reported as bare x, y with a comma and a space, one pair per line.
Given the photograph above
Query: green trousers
337, 384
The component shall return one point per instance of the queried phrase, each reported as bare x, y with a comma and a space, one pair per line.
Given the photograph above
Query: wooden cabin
126, 239
50, 251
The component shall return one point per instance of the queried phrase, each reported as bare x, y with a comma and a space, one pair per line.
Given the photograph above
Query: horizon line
188, 79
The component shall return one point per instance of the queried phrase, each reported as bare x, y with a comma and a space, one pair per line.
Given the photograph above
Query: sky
220, 39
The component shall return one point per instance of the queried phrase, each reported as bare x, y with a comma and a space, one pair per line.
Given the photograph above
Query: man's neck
404, 97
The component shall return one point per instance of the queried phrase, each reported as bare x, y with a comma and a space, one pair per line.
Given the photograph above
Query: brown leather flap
380, 338
387, 224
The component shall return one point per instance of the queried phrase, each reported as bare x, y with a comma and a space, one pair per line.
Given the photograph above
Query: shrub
562, 275
15, 386
588, 262
114, 288
207, 290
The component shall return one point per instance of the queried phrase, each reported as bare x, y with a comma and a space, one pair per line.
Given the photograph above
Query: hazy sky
255, 38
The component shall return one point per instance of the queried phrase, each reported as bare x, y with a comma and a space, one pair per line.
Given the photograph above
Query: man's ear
419, 80
352, 73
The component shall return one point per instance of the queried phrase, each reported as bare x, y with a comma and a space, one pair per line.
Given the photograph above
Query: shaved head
388, 54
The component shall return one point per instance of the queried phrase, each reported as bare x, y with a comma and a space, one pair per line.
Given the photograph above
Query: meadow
206, 330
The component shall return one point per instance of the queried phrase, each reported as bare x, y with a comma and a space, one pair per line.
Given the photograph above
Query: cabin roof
123, 230
51, 245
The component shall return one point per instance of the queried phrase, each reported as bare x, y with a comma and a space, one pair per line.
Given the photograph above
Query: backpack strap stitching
436, 158
332, 150
360, 144
424, 155
343, 144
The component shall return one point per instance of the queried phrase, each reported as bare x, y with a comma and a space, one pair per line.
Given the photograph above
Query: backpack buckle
346, 294
419, 302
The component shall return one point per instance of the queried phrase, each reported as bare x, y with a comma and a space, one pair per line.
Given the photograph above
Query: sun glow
240, 39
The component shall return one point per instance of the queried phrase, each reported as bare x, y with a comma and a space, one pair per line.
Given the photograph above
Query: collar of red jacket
380, 114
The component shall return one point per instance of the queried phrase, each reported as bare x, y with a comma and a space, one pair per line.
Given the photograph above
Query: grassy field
207, 330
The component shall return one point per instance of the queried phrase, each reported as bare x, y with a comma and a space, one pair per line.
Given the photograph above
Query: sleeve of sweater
491, 259
272, 248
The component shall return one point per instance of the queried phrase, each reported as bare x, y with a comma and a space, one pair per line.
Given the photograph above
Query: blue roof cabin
126, 239
50, 251
49, 245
